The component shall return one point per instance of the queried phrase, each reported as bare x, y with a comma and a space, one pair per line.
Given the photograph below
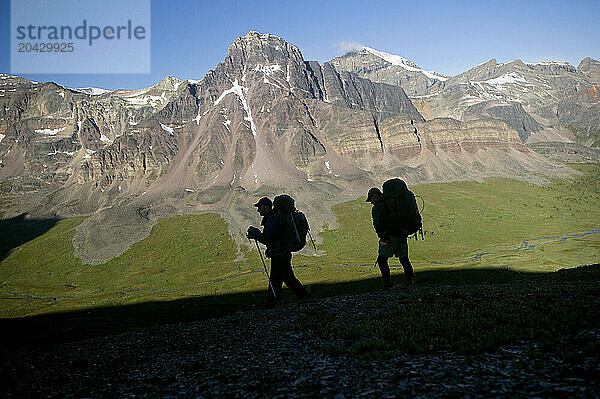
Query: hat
264, 201
372, 192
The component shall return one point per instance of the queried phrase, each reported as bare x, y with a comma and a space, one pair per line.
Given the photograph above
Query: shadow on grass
57, 328
16, 231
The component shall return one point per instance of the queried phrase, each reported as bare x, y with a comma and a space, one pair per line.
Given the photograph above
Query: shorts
397, 246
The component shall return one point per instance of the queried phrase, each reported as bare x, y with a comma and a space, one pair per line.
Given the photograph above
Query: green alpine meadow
495, 224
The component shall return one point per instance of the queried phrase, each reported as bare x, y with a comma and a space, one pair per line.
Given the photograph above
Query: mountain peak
254, 39
588, 63
492, 62
397, 60
261, 36
393, 59
591, 68
261, 48
168, 83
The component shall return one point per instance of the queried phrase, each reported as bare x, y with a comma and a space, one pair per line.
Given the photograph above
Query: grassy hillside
468, 225
466, 219
181, 252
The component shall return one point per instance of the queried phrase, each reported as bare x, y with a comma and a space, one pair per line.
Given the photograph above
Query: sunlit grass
464, 219
184, 254
181, 252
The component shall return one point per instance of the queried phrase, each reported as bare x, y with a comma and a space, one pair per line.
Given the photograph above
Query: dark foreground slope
476, 333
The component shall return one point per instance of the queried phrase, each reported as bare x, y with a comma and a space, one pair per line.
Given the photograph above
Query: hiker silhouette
274, 237
391, 242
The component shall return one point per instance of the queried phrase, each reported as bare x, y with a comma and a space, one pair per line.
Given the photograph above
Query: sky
190, 37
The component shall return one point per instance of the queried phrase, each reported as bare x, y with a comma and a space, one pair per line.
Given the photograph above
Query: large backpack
402, 213
293, 223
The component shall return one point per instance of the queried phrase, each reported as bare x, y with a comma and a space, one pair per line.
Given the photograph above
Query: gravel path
259, 354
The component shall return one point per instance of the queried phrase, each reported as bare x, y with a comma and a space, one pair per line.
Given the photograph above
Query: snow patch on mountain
509, 78
403, 62
198, 117
548, 63
88, 154
166, 128
227, 122
267, 69
239, 91
92, 91
141, 99
69, 153
50, 132
267, 81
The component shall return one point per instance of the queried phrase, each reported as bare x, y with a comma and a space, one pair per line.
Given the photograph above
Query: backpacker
293, 223
402, 213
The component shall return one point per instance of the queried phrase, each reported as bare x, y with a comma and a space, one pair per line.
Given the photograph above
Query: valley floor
473, 334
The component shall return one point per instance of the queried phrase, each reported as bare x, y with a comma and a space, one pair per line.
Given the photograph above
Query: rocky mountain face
264, 121
542, 101
392, 69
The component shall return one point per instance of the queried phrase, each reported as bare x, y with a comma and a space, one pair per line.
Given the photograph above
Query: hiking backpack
293, 223
402, 213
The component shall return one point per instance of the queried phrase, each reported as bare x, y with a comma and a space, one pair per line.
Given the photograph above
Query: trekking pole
313, 241
422, 203
421, 211
266, 271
